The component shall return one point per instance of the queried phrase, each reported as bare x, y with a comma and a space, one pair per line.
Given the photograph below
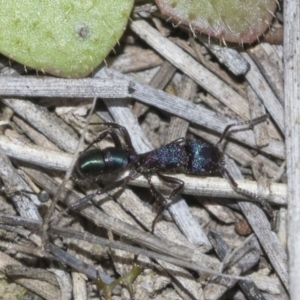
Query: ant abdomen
96, 162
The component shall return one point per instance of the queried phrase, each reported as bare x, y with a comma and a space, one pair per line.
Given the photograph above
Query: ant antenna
249, 122
227, 174
247, 193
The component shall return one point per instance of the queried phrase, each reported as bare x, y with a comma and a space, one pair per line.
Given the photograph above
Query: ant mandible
196, 157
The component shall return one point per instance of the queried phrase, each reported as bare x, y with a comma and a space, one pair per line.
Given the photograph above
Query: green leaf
239, 21
63, 37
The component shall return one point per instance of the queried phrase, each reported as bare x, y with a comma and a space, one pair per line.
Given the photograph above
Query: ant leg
103, 135
124, 131
160, 203
43, 196
77, 205
172, 180
266, 206
249, 122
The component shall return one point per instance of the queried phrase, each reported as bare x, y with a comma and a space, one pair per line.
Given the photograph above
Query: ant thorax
168, 158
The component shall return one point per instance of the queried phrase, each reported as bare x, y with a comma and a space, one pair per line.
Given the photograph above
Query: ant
196, 157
